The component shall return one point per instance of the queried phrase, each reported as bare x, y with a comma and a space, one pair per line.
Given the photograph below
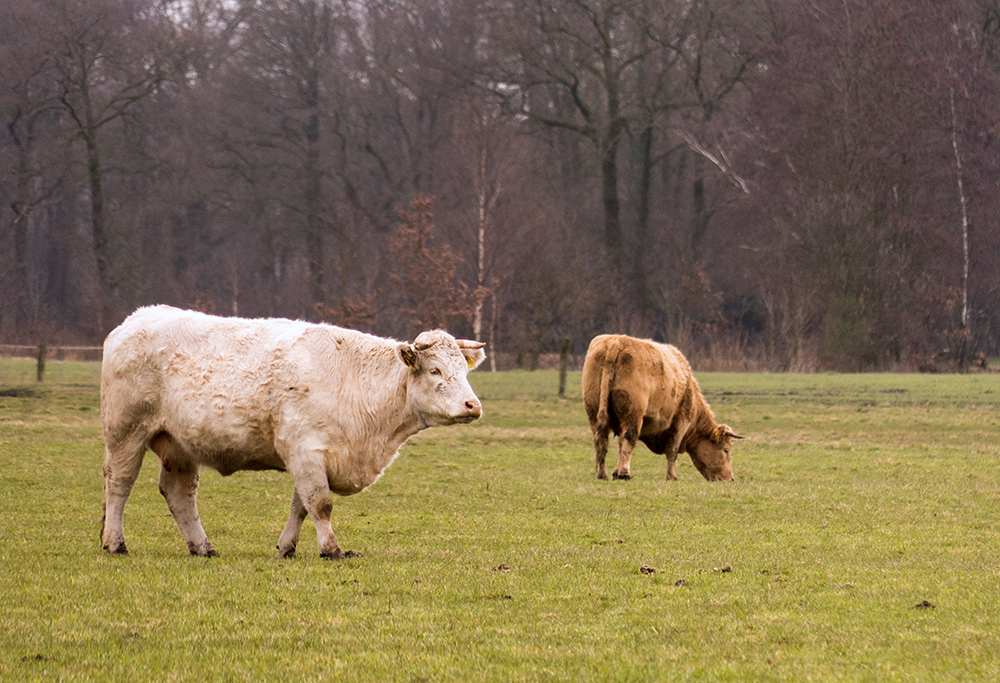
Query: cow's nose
474, 408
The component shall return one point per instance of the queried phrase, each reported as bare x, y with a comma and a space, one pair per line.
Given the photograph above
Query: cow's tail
607, 374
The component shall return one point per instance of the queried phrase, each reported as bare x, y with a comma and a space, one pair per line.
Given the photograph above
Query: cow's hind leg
601, 451
179, 486
626, 445
289, 538
122, 462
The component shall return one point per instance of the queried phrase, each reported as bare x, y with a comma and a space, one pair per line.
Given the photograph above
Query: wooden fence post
42, 351
563, 360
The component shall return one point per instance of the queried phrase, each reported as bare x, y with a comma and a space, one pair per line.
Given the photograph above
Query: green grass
491, 553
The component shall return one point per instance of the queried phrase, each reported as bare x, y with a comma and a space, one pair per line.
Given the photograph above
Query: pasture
859, 542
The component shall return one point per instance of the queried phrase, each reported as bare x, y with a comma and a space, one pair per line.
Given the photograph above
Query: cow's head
711, 453
438, 384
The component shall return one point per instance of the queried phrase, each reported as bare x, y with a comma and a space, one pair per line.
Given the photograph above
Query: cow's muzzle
473, 411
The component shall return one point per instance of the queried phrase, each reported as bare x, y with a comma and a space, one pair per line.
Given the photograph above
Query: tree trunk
612, 223
477, 317
313, 194
964, 336
106, 284
563, 362
493, 330
642, 303
21, 222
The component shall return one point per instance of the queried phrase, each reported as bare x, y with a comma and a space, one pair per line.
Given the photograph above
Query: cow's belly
227, 440
230, 452
653, 424
240, 457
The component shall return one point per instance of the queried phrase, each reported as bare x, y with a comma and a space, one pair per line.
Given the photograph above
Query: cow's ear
409, 356
473, 352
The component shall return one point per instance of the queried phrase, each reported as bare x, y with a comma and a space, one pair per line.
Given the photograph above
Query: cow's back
182, 371
641, 375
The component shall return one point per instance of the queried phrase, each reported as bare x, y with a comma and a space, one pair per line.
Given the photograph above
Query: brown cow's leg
121, 468
289, 538
601, 451
671, 465
673, 447
179, 486
626, 445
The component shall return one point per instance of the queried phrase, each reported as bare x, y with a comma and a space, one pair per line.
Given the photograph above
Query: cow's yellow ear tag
471, 362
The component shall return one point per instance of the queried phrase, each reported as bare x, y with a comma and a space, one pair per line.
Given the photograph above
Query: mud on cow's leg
626, 445
122, 463
320, 507
289, 538
179, 486
313, 490
601, 452
672, 466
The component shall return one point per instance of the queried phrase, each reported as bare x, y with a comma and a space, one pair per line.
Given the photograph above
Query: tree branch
721, 161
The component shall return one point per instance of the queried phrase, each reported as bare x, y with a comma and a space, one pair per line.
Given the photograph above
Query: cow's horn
469, 344
422, 346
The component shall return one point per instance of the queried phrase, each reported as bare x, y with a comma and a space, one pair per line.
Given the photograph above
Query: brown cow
644, 391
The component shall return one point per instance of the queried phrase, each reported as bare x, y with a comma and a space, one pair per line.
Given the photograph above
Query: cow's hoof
204, 552
622, 477
602, 475
119, 549
335, 555
287, 555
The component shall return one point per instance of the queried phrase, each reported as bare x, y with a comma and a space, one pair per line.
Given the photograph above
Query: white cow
328, 405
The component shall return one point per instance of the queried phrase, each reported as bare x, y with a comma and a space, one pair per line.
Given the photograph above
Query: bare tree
27, 113
574, 69
858, 140
103, 61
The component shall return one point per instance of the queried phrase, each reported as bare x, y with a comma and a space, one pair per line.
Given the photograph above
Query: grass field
859, 542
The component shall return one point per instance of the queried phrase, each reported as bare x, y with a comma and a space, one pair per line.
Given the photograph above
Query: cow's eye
436, 372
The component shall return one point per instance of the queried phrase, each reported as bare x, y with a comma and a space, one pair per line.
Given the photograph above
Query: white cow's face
438, 385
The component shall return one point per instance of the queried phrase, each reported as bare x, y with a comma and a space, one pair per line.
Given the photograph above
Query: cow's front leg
673, 448
289, 538
313, 491
671, 465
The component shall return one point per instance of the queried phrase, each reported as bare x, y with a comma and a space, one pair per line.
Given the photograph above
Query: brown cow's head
710, 453
438, 385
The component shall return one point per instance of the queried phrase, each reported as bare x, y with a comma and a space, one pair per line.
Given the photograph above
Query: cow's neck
404, 431
702, 423
396, 421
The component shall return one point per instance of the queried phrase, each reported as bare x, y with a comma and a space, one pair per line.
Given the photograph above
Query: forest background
769, 184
